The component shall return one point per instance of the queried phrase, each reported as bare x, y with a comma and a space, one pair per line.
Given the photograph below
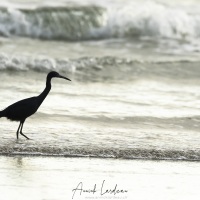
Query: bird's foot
25, 136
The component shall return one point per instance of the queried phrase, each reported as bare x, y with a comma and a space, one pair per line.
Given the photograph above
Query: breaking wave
103, 68
133, 19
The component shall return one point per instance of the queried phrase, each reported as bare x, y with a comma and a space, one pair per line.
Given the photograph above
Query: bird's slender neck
45, 92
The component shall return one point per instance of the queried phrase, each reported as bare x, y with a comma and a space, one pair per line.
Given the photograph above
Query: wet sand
53, 178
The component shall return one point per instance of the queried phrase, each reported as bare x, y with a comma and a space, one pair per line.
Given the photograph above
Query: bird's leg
21, 130
18, 130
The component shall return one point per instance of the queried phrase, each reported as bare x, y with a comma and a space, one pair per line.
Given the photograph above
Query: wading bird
20, 110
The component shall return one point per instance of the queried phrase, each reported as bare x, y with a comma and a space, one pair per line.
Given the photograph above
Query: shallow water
130, 120
55, 178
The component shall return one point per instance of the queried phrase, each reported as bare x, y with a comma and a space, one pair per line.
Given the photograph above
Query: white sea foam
103, 68
151, 19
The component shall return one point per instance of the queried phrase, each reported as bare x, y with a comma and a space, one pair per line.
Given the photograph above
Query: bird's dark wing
21, 109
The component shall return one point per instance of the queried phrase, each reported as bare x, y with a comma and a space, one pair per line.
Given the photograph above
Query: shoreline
43, 155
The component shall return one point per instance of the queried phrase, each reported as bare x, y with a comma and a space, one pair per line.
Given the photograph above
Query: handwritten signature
114, 191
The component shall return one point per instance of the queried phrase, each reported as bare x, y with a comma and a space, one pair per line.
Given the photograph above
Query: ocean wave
70, 23
103, 68
133, 19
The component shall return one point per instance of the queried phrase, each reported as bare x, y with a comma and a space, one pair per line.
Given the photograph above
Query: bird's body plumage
23, 109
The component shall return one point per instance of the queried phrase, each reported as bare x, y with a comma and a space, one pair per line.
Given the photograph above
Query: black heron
20, 110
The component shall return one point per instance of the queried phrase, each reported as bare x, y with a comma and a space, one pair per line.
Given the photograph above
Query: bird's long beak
64, 77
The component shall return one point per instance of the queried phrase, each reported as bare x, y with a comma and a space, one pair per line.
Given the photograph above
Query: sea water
135, 72
80, 178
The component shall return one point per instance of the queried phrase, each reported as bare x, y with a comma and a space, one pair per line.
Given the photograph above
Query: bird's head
54, 74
